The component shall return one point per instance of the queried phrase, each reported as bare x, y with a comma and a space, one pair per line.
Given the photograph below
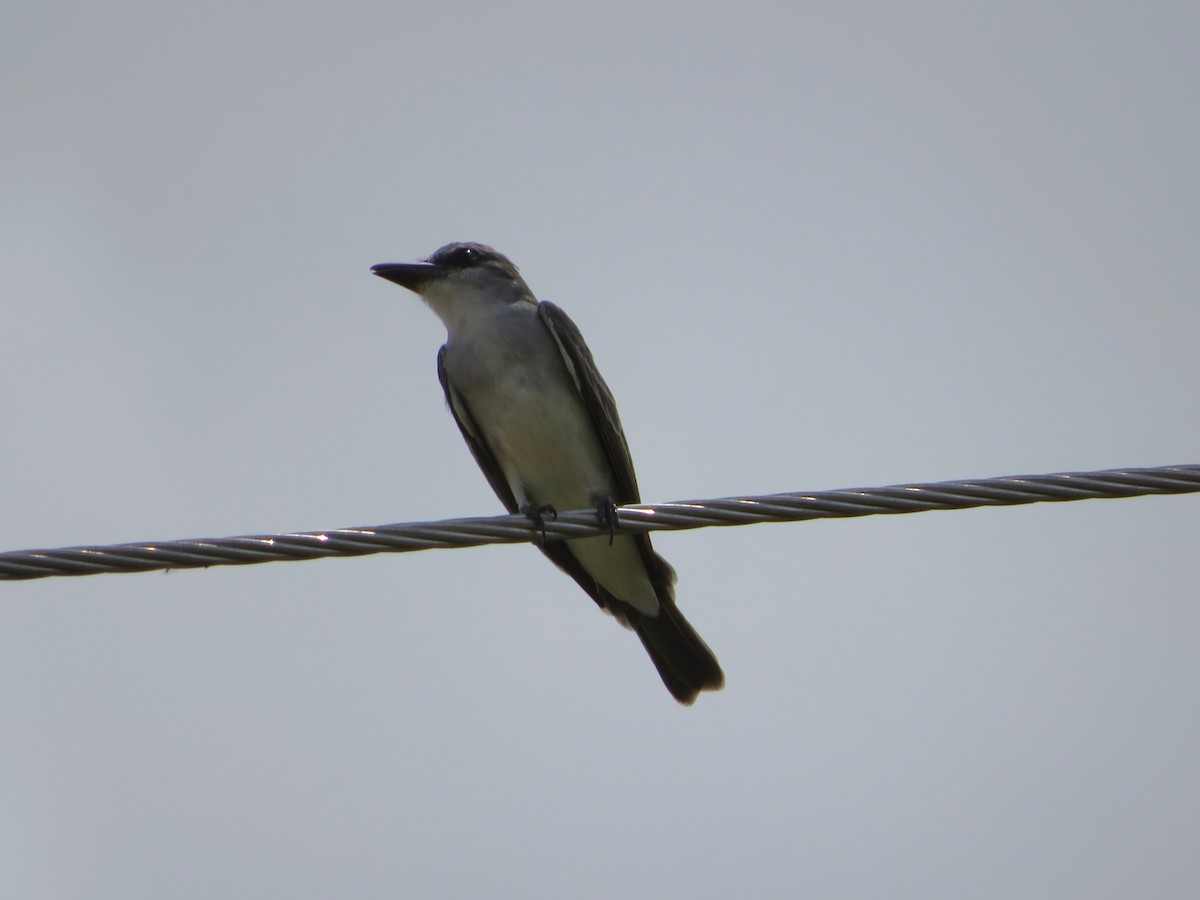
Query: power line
404, 537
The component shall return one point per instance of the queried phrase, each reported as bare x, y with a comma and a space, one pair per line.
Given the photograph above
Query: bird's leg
538, 515
606, 510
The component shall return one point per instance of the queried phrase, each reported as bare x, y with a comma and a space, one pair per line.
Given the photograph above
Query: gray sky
811, 247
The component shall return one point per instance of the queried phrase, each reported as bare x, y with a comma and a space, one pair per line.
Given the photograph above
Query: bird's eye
461, 256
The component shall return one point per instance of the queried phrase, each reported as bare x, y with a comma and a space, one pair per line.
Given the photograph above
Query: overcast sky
811, 247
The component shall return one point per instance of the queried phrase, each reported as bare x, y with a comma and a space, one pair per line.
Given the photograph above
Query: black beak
409, 275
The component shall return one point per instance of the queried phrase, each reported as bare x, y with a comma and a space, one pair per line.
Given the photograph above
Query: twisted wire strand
404, 537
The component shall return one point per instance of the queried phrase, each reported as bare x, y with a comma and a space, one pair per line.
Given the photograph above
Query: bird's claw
538, 515
607, 513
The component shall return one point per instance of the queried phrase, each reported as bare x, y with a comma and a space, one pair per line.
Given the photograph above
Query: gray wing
603, 410
475, 442
596, 397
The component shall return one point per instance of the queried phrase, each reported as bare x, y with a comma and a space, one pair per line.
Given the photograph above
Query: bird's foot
607, 513
538, 515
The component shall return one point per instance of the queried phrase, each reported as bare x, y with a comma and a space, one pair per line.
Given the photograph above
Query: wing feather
474, 438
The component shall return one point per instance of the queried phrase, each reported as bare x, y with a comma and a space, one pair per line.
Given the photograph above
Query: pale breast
517, 388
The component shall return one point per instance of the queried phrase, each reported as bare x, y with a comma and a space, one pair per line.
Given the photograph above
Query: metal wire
400, 538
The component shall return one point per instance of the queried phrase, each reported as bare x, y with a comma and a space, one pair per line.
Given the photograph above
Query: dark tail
683, 660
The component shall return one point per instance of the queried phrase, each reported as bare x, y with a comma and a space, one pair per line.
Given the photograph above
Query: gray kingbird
543, 426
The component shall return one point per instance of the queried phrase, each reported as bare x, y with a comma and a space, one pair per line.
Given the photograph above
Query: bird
543, 426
